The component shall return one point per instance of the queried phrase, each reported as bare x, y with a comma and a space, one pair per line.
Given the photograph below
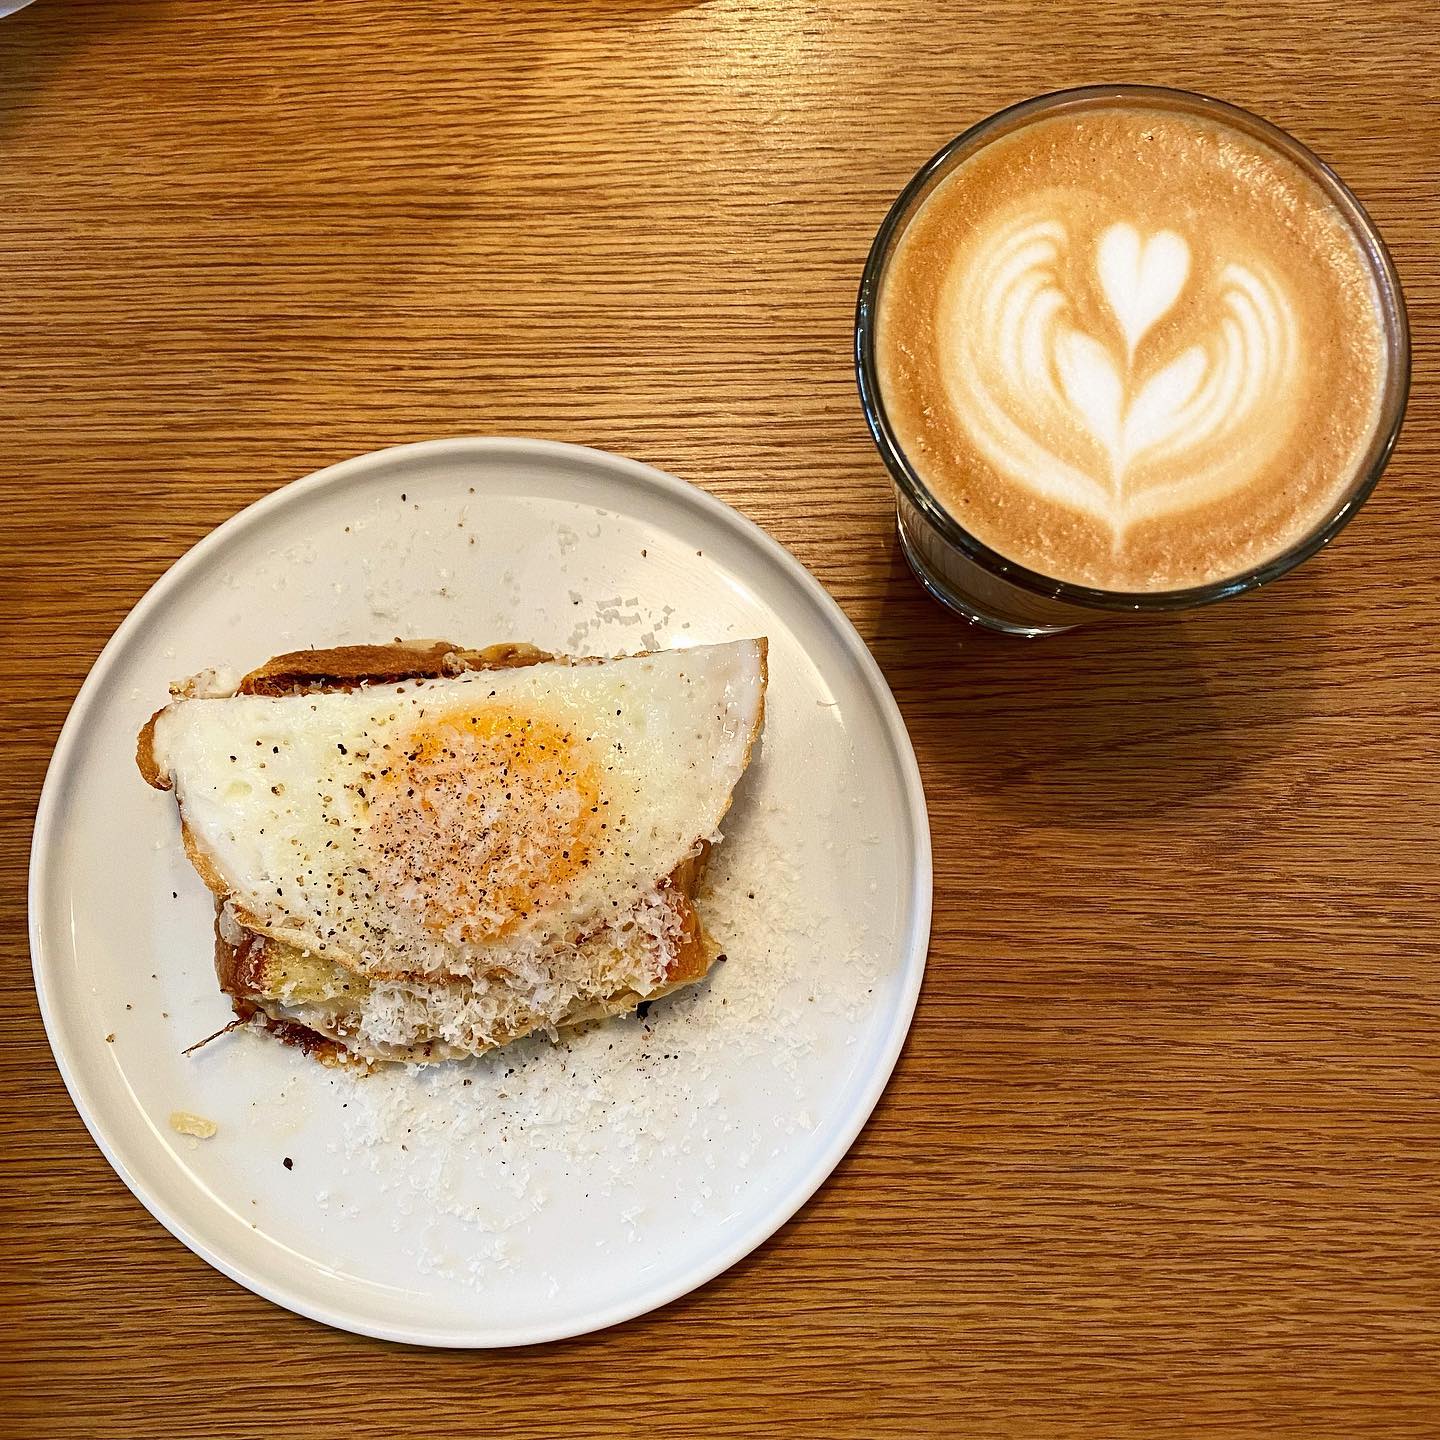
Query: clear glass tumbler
976, 581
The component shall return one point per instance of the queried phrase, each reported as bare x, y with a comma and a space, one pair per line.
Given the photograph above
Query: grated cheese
630, 1098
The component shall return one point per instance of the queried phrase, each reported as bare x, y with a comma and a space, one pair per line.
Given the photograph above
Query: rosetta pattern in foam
1055, 365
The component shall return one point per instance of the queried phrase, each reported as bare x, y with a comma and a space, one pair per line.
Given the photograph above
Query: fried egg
440, 827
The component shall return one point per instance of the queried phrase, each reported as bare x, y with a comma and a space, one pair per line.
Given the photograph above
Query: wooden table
1161, 1156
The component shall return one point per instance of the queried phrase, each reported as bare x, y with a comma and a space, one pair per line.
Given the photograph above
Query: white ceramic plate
548, 1190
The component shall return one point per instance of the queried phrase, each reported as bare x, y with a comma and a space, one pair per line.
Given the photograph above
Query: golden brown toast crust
343, 667
145, 754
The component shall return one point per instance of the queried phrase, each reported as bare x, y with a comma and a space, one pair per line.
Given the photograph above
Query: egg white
439, 827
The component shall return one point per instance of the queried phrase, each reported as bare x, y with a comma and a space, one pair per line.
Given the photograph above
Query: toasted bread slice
340, 1015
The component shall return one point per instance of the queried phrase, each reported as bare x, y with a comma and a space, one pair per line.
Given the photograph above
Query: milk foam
1082, 417
1131, 348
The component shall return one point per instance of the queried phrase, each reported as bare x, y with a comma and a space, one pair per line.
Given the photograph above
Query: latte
1132, 348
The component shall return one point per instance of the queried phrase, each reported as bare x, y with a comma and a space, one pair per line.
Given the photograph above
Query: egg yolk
483, 817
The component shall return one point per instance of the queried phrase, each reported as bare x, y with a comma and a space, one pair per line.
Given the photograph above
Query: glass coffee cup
1077, 372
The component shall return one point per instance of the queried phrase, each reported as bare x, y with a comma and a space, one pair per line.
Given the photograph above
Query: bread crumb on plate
185, 1123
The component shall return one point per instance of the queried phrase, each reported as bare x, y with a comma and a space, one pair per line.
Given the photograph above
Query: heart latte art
1089, 413
1136, 350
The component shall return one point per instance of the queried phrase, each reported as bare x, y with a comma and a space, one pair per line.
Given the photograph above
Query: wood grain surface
1162, 1156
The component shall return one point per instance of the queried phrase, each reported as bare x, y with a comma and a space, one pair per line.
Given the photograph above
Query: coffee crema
1132, 348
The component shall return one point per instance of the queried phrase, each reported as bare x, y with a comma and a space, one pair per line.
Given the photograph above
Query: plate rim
48, 817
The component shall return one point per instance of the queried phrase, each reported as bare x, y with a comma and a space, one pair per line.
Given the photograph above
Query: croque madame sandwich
420, 852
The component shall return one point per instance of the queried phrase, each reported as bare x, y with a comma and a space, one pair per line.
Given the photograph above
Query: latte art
1076, 407
1131, 348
